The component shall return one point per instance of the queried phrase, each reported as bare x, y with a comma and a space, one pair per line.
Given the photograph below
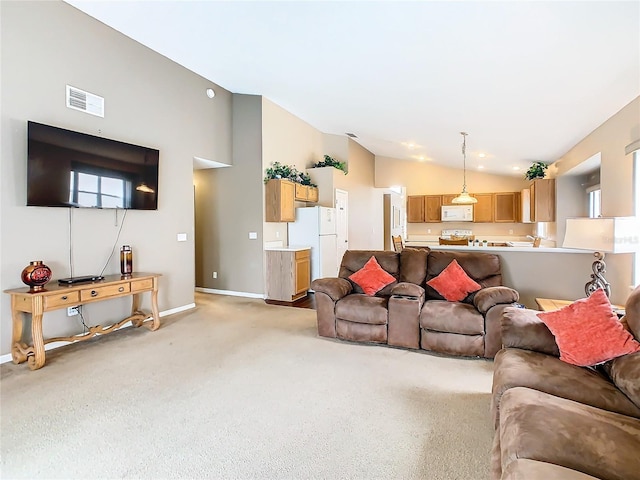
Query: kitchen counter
291, 248
435, 246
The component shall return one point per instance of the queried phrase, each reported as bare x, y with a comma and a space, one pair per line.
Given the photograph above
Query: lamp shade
604, 234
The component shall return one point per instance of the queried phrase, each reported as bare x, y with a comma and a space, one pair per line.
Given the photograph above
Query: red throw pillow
371, 278
588, 332
453, 283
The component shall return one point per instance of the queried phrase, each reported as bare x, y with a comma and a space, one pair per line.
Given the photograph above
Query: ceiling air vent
85, 101
352, 135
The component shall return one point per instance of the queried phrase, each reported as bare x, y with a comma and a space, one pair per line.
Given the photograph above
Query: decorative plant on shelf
287, 172
536, 170
331, 162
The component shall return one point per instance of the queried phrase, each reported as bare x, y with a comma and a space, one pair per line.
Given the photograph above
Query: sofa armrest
336, 288
491, 296
521, 328
406, 289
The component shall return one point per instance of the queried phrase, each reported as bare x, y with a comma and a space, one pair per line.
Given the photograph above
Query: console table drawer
139, 285
53, 301
106, 291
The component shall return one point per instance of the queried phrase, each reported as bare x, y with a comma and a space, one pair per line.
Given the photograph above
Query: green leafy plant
536, 170
287, 172
331, 162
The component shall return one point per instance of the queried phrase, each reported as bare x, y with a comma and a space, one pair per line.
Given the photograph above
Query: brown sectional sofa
409, 313
555, 420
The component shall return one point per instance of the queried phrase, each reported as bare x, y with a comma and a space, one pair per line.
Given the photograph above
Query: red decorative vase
36, 275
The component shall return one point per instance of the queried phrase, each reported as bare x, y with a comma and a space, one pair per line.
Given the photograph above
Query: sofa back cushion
484, 268
354, 260
413, 265
624, 372
632, 312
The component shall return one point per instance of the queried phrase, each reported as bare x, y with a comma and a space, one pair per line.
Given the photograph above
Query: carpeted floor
237, 389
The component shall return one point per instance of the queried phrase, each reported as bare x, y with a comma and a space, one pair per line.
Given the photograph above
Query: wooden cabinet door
312, 194
504, 207
302, 273
301, 192
432, 208
415, 209
543, 200
279, 201
483, 210
447, 199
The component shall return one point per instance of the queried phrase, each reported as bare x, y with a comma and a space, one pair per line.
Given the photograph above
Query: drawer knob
94, 293
64, 297
121, 289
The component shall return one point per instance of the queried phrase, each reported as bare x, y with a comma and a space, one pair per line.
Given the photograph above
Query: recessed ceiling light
516, 168
482, 155
210, 93
480, 167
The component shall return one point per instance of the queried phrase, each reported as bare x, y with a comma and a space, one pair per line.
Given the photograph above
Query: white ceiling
526, 80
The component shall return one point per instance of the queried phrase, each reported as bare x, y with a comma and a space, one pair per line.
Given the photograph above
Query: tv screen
73, 169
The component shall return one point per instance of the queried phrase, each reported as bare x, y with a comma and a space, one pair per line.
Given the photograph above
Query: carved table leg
154, 307
36, 360
17, 347
135, 310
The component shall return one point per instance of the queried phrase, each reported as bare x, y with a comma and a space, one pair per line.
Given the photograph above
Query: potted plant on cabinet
536, 170
331, 162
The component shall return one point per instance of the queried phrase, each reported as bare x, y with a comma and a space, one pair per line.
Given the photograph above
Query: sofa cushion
522, 368
452, 343
525, 469
413, 265
522, 328
539, 426
632, 312
371, 277
588, 332
625, 373
361, 308
484, 268
354, 260
451, 317
453, 283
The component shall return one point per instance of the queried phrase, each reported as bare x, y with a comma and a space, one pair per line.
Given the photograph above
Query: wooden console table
56, 296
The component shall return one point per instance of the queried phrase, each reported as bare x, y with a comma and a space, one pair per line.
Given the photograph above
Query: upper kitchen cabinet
505, 207
433, 208
542, 200
448, 199
483, 210
280, 201
415, 209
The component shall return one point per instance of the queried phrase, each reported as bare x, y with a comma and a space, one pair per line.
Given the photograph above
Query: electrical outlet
215, 274
71, 311
428, 230
510, 231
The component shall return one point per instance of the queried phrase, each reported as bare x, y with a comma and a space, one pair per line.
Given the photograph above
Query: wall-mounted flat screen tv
73, 169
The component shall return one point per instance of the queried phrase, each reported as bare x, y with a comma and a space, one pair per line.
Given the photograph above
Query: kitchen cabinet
542, 200
415, 209
288, 273
448, 199
505, 207
306, 193
483, 210
280, 198
432, 208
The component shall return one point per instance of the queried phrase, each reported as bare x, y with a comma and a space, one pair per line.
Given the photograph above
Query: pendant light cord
464, 160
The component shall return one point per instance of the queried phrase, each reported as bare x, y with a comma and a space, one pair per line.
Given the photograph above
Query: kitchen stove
456, 233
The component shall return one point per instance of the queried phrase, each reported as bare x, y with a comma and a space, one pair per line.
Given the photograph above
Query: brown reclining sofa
409, 313
555, 420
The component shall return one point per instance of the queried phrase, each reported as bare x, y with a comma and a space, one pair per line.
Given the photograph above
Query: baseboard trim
230, 293
50, 346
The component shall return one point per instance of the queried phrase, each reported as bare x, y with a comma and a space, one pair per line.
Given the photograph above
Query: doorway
342, 222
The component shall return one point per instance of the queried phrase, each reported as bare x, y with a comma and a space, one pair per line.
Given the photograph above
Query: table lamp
602, 235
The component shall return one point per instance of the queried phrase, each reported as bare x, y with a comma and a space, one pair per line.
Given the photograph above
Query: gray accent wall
149, 100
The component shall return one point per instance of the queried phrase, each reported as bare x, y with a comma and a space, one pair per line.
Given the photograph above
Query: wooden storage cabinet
483, 210
288, 274
505, 207
542, 198
432, 208
280, 198
415, 209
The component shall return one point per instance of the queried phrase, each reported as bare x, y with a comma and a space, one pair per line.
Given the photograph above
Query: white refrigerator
316, 227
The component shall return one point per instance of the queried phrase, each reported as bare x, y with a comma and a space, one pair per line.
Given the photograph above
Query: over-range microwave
457, 213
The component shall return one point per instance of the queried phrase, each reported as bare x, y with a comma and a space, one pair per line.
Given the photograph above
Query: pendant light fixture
464, 198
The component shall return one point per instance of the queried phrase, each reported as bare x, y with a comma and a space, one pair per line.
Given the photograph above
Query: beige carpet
238, 389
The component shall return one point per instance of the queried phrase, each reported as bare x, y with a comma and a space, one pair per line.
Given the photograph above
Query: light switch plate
182, 237
253, 235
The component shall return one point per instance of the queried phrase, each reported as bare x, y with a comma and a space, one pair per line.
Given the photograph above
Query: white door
342, 223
